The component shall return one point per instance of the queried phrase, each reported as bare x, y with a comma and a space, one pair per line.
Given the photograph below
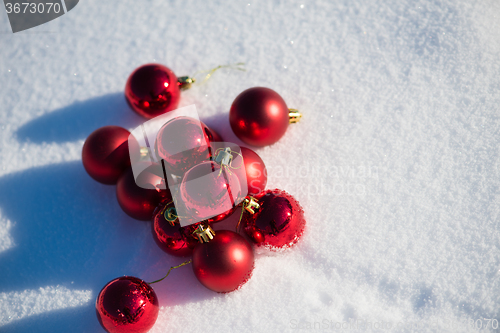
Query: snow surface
396, 162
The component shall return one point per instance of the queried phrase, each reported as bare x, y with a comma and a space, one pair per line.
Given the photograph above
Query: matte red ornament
259, 116
208, 190
152, 90
169, 235
127, 305
279, 221
256, 172
182, 143
105, 154
225, 263
139, 202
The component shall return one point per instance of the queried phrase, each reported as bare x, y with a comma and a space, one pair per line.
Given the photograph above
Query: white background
396, 161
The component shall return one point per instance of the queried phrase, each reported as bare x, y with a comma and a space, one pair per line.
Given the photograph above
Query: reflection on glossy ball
152, 90
182, 143
127, 304
278, 223
207, 190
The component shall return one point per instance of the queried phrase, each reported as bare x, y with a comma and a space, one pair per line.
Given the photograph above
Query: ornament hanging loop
170, 214
186, 82
224, 158
294, 116
171, 268
238, 66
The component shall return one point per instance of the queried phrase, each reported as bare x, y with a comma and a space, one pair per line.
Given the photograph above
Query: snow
396, 162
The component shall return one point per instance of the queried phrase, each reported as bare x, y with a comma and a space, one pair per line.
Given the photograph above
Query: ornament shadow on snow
204, 177
77, 120
45, 256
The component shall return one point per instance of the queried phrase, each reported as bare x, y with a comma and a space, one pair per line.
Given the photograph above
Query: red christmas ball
182, 143
255, 170
105, 154
214, 137
222, 216
169, 235
225, 263
207, 190
152, 90
278, 223
259, 116
127, 305
139, 202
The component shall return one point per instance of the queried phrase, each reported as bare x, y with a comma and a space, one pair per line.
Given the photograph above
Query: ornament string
185, 82
171, 268
238, 66
224, 158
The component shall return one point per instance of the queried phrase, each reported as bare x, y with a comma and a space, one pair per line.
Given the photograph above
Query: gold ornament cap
224, 157
294, 116
185, 82
170, 215
204, 234
251, 204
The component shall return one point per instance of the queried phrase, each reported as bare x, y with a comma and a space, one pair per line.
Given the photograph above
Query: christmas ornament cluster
222, 260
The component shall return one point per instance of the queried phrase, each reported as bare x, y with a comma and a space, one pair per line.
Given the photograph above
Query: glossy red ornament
139, 202
127, 305
278, 223
152, 90
256, 172
207, 190
222, 216
105, 154
259, 116
182, 143
215, 137
169, 235
225, 263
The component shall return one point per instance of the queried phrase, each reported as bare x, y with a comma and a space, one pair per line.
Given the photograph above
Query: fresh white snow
396, 162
